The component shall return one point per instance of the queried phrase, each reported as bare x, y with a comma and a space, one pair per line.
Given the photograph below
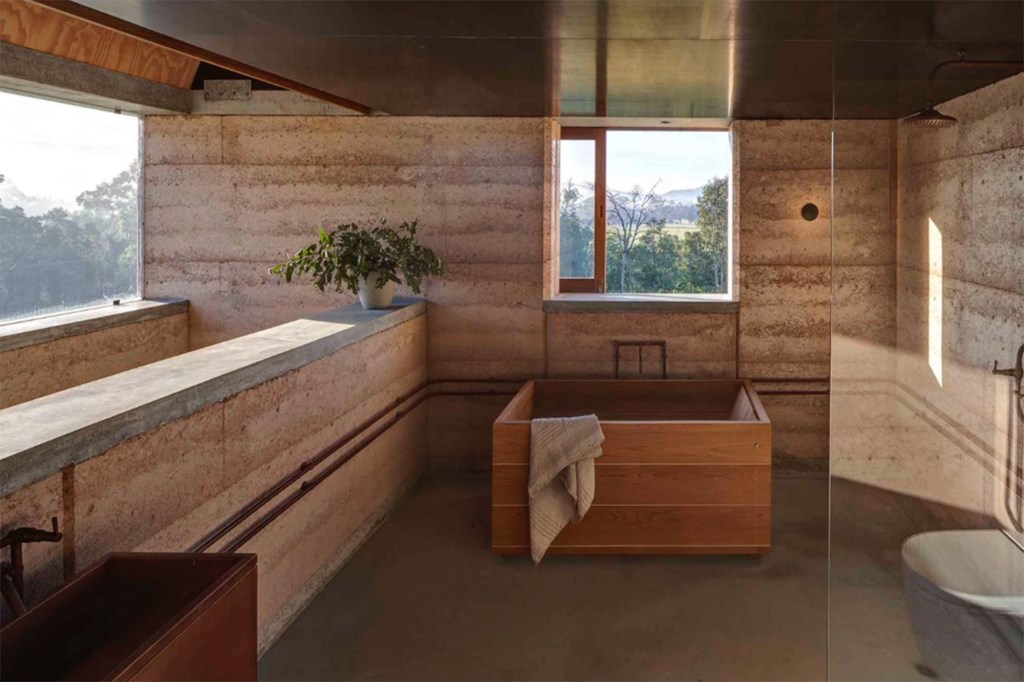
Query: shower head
929, 118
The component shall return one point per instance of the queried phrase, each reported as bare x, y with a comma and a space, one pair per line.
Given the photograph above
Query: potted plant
366, 261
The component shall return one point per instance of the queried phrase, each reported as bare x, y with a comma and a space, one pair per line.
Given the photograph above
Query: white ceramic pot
373, 297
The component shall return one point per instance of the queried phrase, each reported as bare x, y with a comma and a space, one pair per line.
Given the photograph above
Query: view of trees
65, 259
645, 254
576, 255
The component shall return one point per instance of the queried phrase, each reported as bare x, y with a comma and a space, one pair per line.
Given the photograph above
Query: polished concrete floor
870, 634
424, 599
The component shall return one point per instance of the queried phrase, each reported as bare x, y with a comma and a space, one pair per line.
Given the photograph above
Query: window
663, 225
69, 207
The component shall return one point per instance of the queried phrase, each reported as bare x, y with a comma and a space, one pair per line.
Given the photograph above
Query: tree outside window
69, 207
666, 217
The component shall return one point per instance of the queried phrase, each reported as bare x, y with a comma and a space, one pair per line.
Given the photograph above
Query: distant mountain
680, 206
675, 196
683, 196
10, 195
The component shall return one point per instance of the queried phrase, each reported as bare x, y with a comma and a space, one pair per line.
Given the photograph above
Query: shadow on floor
871, 637
425, 599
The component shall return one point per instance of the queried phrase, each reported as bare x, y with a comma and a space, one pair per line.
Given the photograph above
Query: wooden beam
35, 27
144, 34
39, 74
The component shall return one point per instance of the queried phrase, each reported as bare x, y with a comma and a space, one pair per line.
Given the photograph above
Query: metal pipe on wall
306, 466
249, 509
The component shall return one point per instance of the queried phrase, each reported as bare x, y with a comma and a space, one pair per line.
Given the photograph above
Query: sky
678, 159
55, 150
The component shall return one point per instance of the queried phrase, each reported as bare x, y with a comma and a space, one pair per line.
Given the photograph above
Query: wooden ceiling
638, 58
40, 28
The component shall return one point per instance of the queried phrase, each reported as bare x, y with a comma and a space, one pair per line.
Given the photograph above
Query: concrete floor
425, 599
870, 634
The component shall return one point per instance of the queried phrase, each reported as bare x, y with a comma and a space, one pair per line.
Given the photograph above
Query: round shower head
929, 118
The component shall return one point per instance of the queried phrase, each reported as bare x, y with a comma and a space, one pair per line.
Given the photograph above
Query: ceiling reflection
620, 58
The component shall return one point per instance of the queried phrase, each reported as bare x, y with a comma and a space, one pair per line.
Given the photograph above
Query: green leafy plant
351, 253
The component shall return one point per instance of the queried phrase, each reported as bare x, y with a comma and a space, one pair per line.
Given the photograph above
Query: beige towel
562, 453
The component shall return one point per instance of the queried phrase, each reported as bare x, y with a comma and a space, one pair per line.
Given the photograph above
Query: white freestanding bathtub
965, 592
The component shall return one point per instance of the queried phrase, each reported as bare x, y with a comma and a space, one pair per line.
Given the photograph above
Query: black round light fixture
809, 212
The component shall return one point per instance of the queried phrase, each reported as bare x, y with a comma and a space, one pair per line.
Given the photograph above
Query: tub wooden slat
520, 408
644, 484
656, 443
743, 528
631, 399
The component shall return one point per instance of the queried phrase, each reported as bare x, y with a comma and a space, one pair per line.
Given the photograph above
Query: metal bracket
640, 345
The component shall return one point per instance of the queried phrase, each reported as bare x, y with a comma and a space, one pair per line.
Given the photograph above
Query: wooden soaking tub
686, 467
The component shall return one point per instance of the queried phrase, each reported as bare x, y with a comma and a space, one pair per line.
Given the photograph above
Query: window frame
597, 284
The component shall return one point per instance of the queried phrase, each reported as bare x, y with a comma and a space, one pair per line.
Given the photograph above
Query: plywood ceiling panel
35, 27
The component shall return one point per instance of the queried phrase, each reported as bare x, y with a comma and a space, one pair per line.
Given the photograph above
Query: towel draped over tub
561, 488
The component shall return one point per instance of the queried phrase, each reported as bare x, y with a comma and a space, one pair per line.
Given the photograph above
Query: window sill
23, 333
641, 303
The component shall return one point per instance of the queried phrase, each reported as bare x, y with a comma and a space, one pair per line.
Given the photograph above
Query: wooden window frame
595, 284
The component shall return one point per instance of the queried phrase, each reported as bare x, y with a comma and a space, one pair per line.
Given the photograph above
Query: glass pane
927, 443
576, 210
668, 212
69, 210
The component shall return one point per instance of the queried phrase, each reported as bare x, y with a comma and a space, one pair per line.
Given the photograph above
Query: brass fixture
12, 575
640, 345
1017, 374
929, 117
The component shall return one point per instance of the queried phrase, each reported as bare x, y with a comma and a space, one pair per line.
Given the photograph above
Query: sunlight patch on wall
935, 300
